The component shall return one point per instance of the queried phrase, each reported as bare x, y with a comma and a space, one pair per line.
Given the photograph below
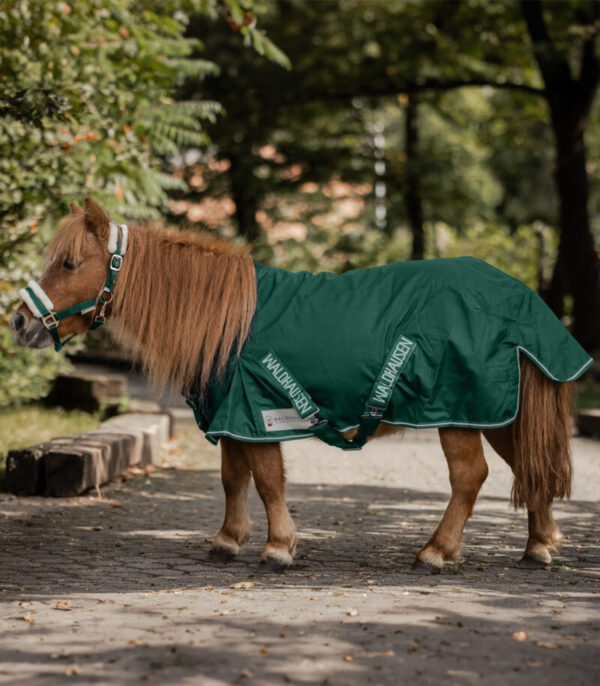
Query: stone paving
118, 589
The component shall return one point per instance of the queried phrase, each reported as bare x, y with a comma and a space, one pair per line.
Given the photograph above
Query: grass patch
31, 424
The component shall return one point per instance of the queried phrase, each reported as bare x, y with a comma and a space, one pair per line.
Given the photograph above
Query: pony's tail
542, 454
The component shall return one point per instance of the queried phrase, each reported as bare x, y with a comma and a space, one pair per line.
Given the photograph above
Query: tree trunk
412, 194
577, 270
246, 202
577, 267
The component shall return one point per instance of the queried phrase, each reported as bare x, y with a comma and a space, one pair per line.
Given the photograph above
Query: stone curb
70, 465
588, 423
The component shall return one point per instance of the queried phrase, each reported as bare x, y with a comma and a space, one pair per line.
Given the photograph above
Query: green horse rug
419, 344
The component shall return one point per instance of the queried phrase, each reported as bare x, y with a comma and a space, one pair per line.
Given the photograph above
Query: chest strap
377, 403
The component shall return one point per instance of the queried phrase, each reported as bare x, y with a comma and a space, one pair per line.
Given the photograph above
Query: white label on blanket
284, 420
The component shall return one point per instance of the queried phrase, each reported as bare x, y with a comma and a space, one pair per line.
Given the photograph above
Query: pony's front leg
266, 463
468, 470
235, 475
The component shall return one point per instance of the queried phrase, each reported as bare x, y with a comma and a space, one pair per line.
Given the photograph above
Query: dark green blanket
420, 344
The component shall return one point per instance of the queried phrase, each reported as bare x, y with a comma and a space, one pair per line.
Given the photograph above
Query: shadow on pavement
151, 534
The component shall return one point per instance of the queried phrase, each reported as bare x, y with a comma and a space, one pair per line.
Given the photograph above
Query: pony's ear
75, 209
95, 219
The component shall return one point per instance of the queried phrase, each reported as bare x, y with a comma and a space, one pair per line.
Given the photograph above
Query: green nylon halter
51, 319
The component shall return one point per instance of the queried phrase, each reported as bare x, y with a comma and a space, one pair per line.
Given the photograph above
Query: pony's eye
71, 266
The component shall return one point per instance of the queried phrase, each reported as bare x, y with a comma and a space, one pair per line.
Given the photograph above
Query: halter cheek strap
42, 307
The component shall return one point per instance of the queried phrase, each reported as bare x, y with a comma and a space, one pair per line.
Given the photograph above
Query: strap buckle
374, 411
116, 262
50, 321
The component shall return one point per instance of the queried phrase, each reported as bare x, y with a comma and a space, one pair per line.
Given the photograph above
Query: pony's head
77, 263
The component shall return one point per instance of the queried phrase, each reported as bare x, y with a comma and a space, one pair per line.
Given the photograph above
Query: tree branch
388, 89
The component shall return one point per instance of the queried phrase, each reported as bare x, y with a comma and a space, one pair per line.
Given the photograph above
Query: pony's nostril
18, 322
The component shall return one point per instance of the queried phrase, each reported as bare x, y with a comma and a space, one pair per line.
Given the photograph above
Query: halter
42, 307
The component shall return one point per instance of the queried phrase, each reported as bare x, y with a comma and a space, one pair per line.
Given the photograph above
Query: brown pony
184, 304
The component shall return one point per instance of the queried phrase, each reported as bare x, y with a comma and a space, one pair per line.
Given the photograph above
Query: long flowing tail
542, 454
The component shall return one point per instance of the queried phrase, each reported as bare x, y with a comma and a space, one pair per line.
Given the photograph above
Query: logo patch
284, 419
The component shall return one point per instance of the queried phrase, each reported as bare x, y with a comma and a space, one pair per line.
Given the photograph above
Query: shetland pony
167, 270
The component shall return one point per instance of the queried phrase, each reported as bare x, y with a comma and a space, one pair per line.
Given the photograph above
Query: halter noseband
42, 308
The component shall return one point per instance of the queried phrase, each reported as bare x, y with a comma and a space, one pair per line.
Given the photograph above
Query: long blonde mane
183, 302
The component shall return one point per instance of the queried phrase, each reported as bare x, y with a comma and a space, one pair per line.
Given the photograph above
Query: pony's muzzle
29, 332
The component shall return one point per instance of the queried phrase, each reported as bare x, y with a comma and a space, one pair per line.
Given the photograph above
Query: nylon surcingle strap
276, 373
42, 307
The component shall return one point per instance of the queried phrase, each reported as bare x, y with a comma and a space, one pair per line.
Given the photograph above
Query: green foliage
87, 108
26, 374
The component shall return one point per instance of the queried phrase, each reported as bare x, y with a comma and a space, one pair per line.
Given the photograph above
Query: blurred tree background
389, 130
87, 108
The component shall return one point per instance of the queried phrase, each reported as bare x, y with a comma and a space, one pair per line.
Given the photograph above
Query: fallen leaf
242, 584
25, 618
63, 605
72, 670
264, 651
549, 646
348, 658
352, 612
520, 635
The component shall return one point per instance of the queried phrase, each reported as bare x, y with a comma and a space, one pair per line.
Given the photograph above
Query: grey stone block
88, 392
68, 466
588, 423
152, 430
25, 473
91, 460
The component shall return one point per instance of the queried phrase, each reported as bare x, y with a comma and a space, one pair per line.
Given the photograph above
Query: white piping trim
271, 439
434, 425
113, 238
88, 309
577, 374
39, 291
26, 298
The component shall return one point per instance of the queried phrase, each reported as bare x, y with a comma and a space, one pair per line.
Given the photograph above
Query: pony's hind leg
544, 533
266, 463
235, 475
468, 470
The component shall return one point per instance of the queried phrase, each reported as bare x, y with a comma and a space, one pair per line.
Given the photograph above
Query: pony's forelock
68, 241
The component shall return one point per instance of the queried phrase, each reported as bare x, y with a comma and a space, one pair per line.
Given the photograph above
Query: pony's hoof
530, 562
273, 565
221, 555
420, 567
274, 559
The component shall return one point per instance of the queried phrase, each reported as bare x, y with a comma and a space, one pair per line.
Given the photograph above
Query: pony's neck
183, 303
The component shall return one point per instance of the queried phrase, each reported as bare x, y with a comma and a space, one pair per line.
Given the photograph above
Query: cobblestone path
118, 589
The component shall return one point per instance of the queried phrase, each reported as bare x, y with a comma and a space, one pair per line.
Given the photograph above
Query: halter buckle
116, 263
50, 321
